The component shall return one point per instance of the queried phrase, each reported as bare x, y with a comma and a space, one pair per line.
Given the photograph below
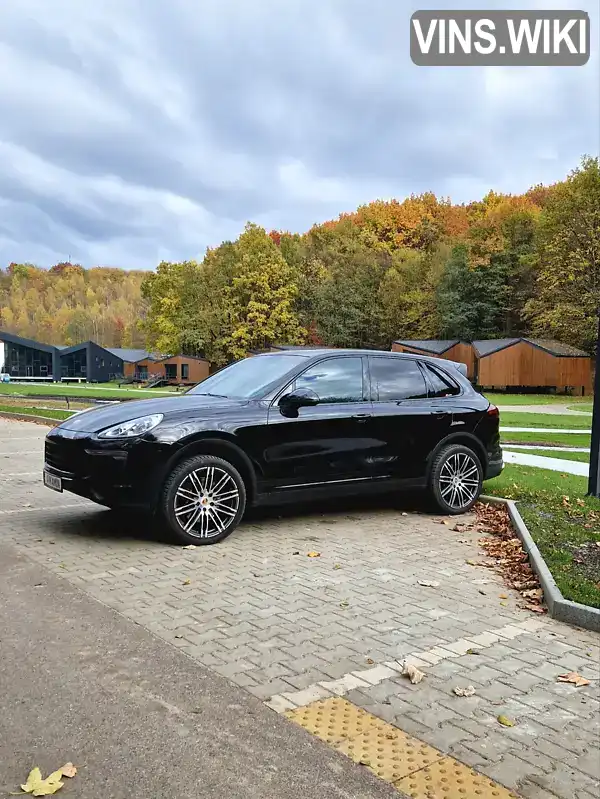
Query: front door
328, 442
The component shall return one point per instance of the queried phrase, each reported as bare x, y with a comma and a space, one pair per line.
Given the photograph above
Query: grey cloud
211, 113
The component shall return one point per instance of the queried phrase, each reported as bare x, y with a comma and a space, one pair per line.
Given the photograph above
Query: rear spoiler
460, 367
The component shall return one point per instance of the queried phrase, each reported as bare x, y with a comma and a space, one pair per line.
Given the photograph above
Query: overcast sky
138, 130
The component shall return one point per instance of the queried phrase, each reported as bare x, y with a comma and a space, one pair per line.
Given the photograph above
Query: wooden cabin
177, 370
451, 349
532, 363
180, 370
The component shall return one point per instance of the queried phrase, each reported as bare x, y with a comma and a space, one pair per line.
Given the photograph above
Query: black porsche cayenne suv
283, 426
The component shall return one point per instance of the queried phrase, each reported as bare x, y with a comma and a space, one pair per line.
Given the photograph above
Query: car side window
334, 380
440, 385
395, 379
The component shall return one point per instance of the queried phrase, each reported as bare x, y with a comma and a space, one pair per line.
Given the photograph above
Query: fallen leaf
473, 652
370, 661
37, 786
581, 503
468, 691
295, 553
534, 593
428, 583
187, 582
191, 546
69, 770
504, 604
344, 604
575, 679
337, 566
412, 672
533, 608
481, 591
503, 596
179, 636
505, 721
314, 555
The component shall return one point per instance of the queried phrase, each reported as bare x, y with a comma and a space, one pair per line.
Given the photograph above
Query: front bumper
116, 474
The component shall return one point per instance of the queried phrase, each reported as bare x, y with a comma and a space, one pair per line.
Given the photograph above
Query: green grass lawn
534, 399
561, 439
99, 390
48, 413
582, 406
582, 457
564, 523
510, 419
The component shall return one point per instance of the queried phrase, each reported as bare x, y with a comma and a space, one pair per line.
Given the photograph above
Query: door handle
441, 414
362, 417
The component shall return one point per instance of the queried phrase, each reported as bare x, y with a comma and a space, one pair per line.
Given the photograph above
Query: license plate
52, 482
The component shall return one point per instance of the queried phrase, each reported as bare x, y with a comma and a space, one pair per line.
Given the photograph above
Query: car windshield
248, 378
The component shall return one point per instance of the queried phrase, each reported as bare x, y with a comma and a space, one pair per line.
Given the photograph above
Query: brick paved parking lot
290, 628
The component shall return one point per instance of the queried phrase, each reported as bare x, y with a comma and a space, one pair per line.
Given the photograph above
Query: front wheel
456, 479
203, 500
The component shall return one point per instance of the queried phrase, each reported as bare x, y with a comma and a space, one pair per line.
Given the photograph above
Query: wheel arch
221, 446
464, 438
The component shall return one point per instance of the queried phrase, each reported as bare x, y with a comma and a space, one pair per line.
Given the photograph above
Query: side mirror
289, 404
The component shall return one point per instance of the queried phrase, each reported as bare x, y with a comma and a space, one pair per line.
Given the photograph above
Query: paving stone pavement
291, 629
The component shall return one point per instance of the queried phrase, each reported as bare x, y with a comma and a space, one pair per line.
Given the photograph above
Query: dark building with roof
450, 349
532, 363
90, 362
23, 357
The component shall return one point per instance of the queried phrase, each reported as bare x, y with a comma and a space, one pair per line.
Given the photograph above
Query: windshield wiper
208, 394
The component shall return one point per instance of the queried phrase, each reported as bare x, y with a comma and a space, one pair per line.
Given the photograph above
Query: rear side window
396, 379
440, 385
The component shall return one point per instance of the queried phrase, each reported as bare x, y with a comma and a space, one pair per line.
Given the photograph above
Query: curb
27, 417
559, 608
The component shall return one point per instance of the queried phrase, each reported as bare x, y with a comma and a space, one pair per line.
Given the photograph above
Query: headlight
132, 428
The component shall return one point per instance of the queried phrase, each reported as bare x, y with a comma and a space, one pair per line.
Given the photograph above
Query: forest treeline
417, 268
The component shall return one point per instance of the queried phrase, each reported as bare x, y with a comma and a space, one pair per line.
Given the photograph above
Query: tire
193, 512
460, 463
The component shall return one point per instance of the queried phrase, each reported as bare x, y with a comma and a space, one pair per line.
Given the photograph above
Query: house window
171, 371
185, 371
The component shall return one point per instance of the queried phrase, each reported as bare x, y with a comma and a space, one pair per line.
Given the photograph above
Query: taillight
493, 411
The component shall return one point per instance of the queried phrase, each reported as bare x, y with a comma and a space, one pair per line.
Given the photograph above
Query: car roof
318, 352
313, 352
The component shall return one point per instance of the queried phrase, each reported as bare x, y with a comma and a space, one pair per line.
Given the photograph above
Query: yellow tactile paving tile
413, 767
334, 719
449, 779
389, 752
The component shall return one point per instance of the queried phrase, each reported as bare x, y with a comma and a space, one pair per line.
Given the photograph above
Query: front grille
66, 456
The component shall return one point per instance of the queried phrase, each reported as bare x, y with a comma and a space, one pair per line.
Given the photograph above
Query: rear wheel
203, 500
456, 479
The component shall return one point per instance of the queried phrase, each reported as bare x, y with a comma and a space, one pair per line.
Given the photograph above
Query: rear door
330, 441
406, 423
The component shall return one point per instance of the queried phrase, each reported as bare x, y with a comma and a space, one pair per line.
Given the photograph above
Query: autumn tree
259, 300
568, 260
468, 298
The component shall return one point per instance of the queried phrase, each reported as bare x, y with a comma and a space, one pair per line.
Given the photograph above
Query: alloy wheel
206, 502
459, 480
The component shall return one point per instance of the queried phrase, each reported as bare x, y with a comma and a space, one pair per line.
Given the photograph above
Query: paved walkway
562, 410
79, 683
258, 611
548, 448
554, 464
542, 430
